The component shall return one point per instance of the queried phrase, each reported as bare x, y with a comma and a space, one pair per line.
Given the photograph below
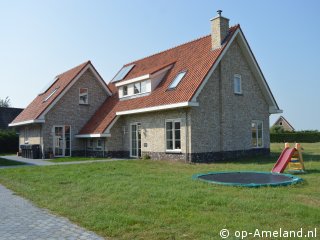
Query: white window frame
86, 103
257, 134
174, 150
237, 77
125, 86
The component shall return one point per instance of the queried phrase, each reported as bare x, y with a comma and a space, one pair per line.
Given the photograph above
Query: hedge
9, 141
306, 137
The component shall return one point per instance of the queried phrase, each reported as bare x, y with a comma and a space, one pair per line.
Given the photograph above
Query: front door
62, 141
135, 139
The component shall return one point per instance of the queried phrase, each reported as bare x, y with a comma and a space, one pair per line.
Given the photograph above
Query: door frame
63, 140
137, 139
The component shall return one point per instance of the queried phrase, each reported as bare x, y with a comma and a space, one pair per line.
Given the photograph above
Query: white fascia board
26, 122
273, 110
107, 131
194, 99
102, 82
259, 72
71, 84
137, 79
159, 108
96, 135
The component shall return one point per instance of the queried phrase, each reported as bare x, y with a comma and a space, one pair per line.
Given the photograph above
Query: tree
276, 129
5, 102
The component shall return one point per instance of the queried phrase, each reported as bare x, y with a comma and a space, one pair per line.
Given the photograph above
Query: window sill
176, 151
84, 104
238, 94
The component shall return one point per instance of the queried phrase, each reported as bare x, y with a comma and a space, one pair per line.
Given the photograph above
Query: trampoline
248, 179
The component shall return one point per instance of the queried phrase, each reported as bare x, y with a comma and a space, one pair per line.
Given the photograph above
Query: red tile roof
197, 57
39, 105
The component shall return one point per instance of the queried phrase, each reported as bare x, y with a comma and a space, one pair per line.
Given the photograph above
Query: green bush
9, 141
303, 136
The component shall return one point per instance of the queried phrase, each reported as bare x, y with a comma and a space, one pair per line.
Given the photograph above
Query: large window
173, 135
237, 87
140, 87
257, 134
83, 96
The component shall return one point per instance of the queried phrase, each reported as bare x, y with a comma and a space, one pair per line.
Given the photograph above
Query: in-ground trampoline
248, 179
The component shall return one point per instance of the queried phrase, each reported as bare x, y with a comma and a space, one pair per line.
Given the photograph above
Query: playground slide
283, 160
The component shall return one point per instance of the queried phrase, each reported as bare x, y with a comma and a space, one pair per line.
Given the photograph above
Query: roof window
53, 92
123, 73
177, 80
46, 88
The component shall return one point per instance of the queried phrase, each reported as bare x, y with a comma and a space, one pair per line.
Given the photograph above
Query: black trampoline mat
246, 178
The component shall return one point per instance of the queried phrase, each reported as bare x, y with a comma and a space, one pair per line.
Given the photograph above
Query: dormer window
83, 96
137, 88
177, 80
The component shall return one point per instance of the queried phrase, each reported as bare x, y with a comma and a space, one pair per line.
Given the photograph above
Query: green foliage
310, 136
146, 157
276, 129
5, 102
9, 141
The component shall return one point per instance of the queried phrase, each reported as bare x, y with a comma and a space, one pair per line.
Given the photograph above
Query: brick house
284, 124
201, 101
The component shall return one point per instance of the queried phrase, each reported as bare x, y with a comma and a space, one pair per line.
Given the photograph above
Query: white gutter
26, 122
158, 108
96, 135
143, 77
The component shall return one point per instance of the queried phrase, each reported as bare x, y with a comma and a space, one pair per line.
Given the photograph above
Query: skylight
122, 73
47, 86
53, 92
177, 80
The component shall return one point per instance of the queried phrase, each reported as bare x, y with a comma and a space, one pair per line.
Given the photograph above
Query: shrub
9, 141
301, 136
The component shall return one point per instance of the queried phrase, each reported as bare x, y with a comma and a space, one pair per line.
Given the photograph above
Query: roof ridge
163, 51
82, 64
179, 45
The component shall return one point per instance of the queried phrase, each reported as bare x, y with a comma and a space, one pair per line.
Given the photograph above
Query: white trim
63, 140
173, 121
26, 122
87, 93
95, 135
237, 76
137, 139
89, 66
107, 131
137, 79
158, 108
257, 133
274, 107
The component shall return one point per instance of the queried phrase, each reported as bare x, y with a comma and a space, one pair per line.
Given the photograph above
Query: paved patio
19, 219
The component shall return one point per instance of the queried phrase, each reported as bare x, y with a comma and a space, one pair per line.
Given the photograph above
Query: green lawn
5, 162
75, 159
159, 200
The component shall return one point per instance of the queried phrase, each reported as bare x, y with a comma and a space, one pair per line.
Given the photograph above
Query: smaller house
7, 114
282, 122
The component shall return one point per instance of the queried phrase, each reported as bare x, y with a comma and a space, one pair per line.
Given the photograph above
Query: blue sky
40, 39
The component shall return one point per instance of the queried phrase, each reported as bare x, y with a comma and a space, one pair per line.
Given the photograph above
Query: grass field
5, 162
159, 200
75, 159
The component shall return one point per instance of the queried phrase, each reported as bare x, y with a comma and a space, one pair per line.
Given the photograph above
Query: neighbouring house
201, 101
7, 115
284, 124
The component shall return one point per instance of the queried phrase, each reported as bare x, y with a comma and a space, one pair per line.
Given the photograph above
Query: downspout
41, 142
187, 159
220, 110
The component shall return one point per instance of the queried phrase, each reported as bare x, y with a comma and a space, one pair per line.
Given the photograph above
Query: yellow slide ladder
296, 164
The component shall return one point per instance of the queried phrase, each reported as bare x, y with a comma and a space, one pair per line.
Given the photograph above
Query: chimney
219, 30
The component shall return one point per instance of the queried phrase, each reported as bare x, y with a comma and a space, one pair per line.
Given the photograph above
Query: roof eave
26, 122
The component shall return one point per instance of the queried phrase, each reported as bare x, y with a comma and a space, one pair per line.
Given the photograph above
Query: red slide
283, 160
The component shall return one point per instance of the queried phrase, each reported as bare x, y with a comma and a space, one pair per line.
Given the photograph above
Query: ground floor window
62, 140
94, 144
257, 133
173, 134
